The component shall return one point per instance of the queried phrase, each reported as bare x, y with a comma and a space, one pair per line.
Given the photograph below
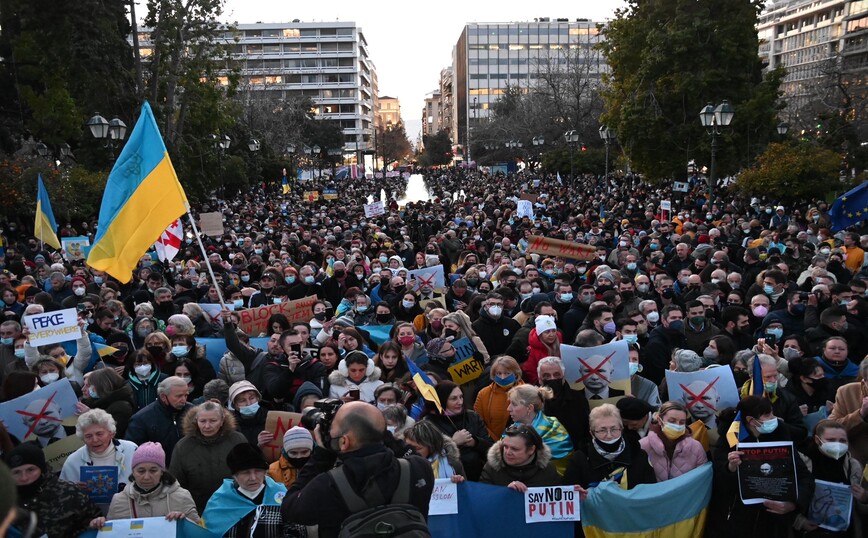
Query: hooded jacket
341, 384
168, 497
536, 351
688, 454
539, 472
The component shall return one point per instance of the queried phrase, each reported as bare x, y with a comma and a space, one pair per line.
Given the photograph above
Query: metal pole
712, 177
205, 255
606, 177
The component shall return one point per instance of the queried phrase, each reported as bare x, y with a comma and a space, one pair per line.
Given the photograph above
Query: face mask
156, 351
791, 353
78, 291
277, 300
238, 304
245, 278
557, 385
249, 410
834, 449
383, 318
298, 463
289, 279
143, 370
507, 381
180, 351
92, 393
653, 317
634, 368
186, 379
587, 299
767, 426
776, 332
384, 259
495, 311
566, 297
308, 279
407, 341
408, 304
251, 494
771, 387
697, 321
768, 290
98, 280
631, 266
609, 328
50, 378
676, 326
673, 431
643, 288
760, 311
362, 308
141, 333
19, 353
7, 341
710, 354
360, 276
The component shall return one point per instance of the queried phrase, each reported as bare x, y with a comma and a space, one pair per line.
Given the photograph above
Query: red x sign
426, 281
595, 371
39, 416
698, 398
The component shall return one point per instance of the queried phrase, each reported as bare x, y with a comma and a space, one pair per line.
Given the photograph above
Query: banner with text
564, 249
254, 321
52, 327
550, 504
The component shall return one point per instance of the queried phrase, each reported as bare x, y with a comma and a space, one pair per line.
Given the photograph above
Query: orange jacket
491, 404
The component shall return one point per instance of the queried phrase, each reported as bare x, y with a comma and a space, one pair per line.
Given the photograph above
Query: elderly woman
671, 449
62, 508
520, 460
526, 404
440, 451
610, 456
245, 402
492, 401
152, 491
97, 429
248, 504
199, 458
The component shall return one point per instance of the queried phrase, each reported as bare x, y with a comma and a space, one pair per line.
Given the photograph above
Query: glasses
608, 431
519, 429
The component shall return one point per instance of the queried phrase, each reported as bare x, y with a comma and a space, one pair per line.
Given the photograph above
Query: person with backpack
371, 488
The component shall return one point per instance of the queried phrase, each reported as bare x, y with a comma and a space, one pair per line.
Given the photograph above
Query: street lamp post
783, 128
538, 141
290, 150
572, 138
221, 144
316, 151
111, 131
607, 135
714, 119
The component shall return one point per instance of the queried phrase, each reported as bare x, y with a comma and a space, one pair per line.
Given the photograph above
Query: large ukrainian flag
45, 228
676, 508
142, 197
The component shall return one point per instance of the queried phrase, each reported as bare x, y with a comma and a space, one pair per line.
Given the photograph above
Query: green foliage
668, 58
792, 172
74, 193
438, 149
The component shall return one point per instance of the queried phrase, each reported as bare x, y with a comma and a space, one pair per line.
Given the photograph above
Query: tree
792, 172
668, 58
393, 144
438, 149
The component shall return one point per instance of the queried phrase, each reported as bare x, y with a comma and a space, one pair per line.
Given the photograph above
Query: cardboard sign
465, 368
278, 422
375, 209
532, 198
554, 503
57, 453
75, 248
464, 349
254, 321
330, 194
556, 247
211, 224
52, 327
310, 196
431, 277
444, 498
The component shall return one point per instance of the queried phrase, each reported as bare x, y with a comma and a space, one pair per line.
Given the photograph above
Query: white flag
559, 179
169, 243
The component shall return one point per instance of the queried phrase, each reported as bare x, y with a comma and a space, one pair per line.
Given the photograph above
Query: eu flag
851, 208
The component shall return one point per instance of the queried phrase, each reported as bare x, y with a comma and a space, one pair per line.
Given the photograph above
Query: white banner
52, 327
430, 276
374, 209
444, 498
525, 208
554, 503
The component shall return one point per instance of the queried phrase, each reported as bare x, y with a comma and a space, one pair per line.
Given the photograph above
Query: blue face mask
249, 410
277, 300
180, 351
308, 279
776, 332
768, 290
97, 280
676, 325
631, 338
566, 297
290, 279
19, 353
7, 341
507, 381
238, 303
631, 266
245, 278
634, 367
767, 426
799, 308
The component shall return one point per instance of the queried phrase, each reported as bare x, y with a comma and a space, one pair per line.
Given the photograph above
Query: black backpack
377, 518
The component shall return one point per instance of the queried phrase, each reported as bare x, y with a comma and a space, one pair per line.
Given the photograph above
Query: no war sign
52, 327
554, 503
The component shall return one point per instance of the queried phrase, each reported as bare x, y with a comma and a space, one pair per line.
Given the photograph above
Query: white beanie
545, 323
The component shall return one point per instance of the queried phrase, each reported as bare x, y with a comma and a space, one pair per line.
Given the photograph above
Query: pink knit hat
150, 453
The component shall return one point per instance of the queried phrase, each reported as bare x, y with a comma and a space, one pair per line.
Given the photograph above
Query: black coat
157, 423
282, 383
588, 468
657, 353
571, 408
495, 334
472, 457
314, 498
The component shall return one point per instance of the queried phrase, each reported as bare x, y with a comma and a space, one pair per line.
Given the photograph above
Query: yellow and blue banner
850, 208
652, 513
424, 384
104, 350
142, 198
45, 228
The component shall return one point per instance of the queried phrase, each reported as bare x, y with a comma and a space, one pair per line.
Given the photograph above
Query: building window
290, 32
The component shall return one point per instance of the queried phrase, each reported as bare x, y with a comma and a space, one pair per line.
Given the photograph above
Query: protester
519, 461
441, 451
526, 407
355, 379
492, 401
295, 453
160, 421
671, 449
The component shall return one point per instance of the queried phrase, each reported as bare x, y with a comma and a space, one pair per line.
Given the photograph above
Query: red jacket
536, 351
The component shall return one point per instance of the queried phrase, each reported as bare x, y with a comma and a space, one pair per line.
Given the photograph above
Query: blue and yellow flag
736, 432
652, 513
45, 229
851, 208
757, 387
142, 198
104, 350
424, 384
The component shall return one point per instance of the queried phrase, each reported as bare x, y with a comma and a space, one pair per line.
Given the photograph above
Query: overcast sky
409, 42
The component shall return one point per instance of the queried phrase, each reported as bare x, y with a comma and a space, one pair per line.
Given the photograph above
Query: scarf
441, 466
610, 456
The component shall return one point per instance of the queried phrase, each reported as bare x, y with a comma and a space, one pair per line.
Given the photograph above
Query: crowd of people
728, 284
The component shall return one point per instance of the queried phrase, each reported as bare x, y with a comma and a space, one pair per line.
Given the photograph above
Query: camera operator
355, 437
288, 372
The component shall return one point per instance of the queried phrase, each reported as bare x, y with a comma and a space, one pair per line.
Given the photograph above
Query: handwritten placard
375, 209
444, 498
278, 422
52, 327
254, 321
564, 249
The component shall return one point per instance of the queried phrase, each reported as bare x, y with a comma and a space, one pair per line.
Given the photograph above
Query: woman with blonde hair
526, 404
180, 324
457, 325
492, 402
203, 325
672, 451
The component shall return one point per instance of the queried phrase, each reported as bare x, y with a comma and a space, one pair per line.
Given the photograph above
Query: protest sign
74, 248
444, 498
278, 422
254, 321
139, 528
604, 370
375, 209
330, 194
680, 186
100, 482
767, 472
553, 503
57, 452
524, 209
831, 506
39, 414
52, 327
464, 366
704, 392
529, 197
666, 205
311, 196
431, 277
556, 247
211, 224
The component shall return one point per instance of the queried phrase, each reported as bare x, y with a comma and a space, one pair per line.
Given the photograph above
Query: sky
411, 42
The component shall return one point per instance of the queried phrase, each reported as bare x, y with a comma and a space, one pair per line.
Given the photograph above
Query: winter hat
78, 279
297, 437
434, 346
26, 454
244, 456
307, 388
606, 275
185, 283
150, 453
240, 387
633, 408
545, 323
344, 322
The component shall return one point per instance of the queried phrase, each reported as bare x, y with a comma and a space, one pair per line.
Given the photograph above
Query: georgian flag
169, 243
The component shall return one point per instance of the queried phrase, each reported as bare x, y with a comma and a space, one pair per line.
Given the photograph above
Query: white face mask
49, 378
143, 370
251, 494
834, 449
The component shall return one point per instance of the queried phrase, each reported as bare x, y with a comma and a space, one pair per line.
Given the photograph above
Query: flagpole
205, 255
